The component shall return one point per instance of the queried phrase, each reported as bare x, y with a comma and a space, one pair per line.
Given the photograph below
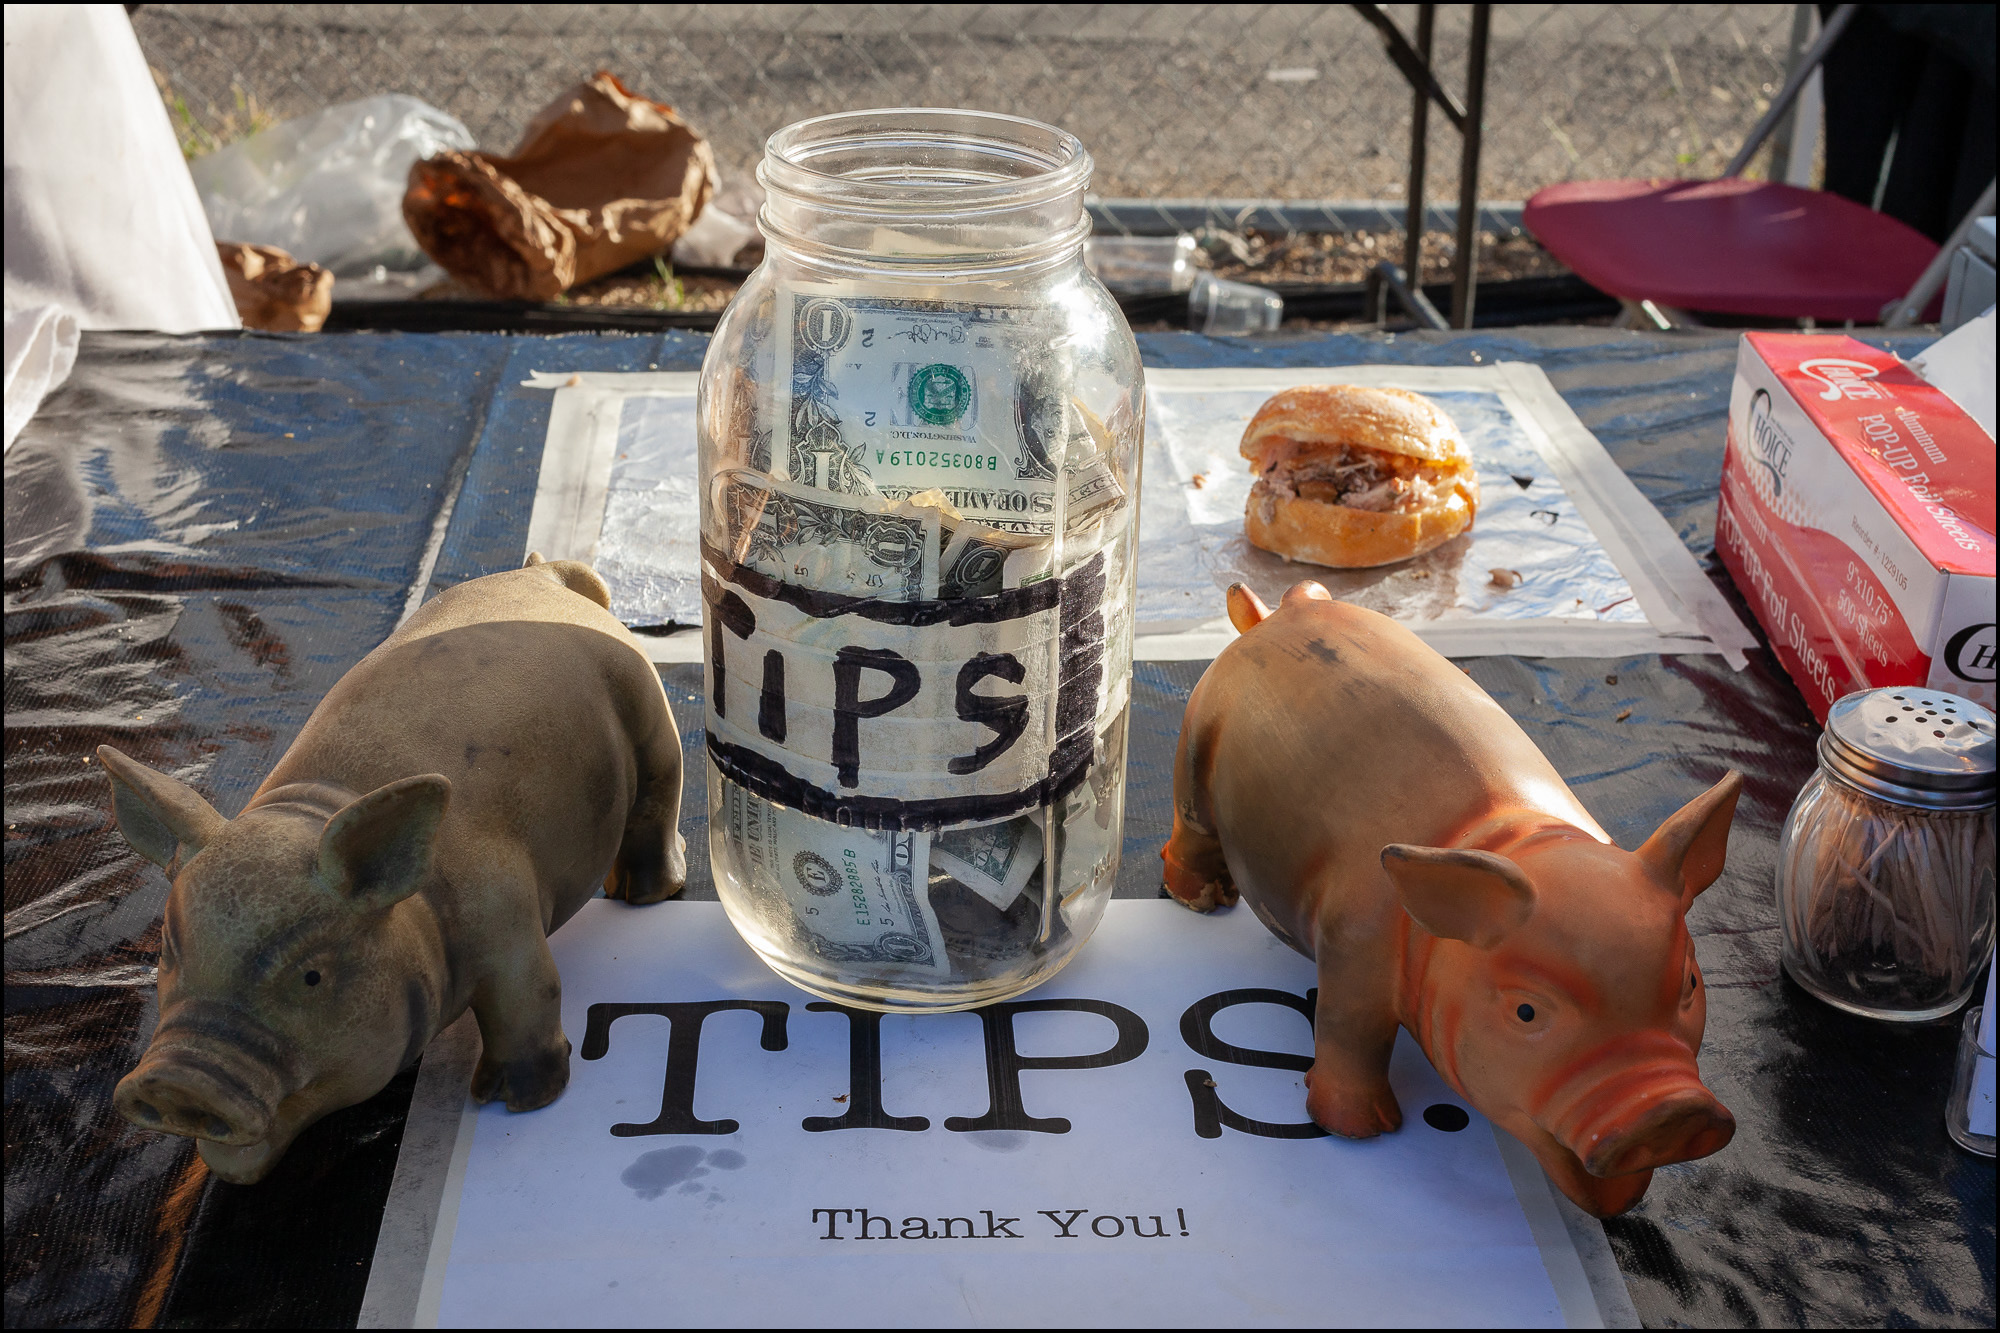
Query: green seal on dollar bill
939, 394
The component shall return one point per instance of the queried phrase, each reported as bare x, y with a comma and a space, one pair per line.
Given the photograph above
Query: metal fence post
1420, 120
1465, 264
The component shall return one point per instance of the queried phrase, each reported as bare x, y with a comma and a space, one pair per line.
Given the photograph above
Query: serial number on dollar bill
900, 458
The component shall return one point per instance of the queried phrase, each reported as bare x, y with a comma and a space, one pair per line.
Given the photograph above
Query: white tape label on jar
902, 714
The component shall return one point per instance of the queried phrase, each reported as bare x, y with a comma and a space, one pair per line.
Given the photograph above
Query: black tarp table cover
204, 533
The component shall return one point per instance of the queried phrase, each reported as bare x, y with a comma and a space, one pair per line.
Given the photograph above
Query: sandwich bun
1351, 477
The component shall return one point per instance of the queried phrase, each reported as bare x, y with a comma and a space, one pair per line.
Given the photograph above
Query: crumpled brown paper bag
274, 291
602, 178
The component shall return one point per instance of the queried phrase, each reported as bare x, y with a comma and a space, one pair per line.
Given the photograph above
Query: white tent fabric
102, 218
41, 349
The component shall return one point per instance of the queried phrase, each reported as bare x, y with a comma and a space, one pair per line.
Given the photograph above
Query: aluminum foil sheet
649, 550
1191, 524
1192, 547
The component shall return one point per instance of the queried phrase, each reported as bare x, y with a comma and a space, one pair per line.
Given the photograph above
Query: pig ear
377, 851
1472, 896
1686, 852
1246, 609
163, 818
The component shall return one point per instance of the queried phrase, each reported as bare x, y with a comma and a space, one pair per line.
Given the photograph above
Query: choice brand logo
940, 394
1843, 379
1969, 654
1773, 447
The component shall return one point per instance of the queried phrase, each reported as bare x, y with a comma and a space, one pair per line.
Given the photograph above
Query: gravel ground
1174, 101
1261, 257
1178, 101
1322, 259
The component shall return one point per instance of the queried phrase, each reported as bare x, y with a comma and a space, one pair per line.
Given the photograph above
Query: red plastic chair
1732, 246
1738, 247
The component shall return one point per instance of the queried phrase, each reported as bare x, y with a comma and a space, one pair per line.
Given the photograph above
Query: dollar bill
1089, 473
899, 396
1088, 815
1031, 564
993, 860
741, 432
981, 558
1092, 488
976, 560
1091, 496
862, 546
983, 941
855, 896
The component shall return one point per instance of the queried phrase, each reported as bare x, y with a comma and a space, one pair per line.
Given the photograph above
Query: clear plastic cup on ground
1143, 263
1221, 308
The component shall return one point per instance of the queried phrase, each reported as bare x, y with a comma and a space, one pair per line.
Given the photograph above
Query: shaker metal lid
1913, 746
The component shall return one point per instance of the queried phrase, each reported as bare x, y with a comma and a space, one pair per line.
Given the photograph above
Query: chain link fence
1237, 102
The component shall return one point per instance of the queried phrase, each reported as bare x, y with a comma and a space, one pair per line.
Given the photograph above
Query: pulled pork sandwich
1351, 477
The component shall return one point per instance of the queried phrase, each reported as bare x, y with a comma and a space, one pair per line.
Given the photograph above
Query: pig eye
312, 978
1526, 1013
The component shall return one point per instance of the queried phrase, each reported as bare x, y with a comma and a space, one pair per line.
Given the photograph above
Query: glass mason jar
920, 426
1885, 868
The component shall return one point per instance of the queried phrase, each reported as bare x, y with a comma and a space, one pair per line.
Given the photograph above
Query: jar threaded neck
930, 190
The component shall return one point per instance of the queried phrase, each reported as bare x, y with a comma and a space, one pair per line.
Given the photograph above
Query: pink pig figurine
1387, 819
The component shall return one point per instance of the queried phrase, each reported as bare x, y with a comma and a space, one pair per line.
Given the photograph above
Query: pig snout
1677, 1126
1638, 1116
191, 1101
208, 1075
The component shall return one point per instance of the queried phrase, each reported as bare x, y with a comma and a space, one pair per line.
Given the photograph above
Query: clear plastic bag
328, 189
725, 233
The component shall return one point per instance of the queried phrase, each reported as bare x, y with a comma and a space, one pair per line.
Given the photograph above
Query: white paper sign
1004, 1182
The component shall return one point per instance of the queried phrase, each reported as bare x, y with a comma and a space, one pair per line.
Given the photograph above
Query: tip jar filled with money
920, 426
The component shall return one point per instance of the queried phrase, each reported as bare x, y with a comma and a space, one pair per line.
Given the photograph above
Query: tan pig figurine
1387, 819
455, 797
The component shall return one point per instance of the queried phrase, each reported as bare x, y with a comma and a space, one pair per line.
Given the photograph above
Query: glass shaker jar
920, 426
1885, 869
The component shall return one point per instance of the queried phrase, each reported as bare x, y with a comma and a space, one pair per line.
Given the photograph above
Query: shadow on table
316, 1216
1844, 1149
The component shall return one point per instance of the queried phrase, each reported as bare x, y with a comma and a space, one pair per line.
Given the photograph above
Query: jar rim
1939, 758
1059, 164
1844, 763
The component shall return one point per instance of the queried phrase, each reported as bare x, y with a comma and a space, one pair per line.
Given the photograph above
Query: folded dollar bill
856, 897
982, 941
993, 860
977, 560
854, 545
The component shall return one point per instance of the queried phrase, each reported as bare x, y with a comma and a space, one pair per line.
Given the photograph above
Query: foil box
1857, 518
